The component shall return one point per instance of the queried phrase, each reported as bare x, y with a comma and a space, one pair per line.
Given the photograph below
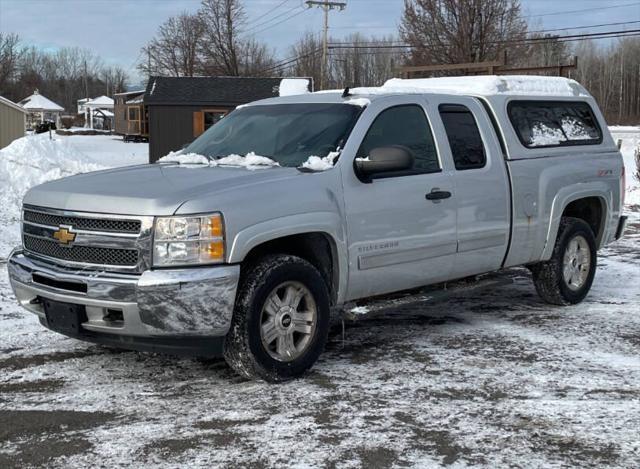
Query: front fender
328, 223
568, 194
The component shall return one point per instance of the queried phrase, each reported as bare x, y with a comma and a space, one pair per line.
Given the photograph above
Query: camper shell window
544, 124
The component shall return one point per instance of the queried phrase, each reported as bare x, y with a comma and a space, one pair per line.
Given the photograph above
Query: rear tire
566, 278
281, 319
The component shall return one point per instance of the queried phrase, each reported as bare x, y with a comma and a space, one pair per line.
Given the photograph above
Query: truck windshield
286, 133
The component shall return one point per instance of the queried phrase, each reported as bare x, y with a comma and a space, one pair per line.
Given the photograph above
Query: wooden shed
13, 120
130, 116
180, 109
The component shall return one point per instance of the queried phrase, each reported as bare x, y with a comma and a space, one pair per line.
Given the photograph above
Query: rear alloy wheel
566, 278
576, 263
281, 319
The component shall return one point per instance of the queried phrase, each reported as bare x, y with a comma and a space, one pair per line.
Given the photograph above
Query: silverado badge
64, 235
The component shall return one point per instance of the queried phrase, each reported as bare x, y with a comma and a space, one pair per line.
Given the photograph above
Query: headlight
188, 240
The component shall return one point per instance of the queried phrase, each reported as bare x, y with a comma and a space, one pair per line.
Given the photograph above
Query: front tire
281, 319
566, 278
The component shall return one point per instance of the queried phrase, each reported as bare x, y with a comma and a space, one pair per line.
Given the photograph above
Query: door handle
436, 194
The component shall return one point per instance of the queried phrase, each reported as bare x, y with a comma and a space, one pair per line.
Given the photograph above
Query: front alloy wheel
281, 319
288, 321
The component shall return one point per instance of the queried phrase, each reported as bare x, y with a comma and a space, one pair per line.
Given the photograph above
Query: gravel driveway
488, 378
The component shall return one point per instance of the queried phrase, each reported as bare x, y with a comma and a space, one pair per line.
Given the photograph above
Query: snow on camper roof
524, 85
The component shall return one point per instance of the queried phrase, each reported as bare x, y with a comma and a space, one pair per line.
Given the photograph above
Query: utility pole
326, 5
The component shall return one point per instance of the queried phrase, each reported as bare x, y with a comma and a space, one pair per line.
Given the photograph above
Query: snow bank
32, 160
630, 137
315, 163
293, 86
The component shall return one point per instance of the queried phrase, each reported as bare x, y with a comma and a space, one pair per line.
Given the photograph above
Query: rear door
397, 237
482, 188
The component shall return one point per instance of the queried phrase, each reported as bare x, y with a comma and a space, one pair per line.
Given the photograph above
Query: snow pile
249, 161
630, 137
293, 86
187, 158
32, 160
315, 163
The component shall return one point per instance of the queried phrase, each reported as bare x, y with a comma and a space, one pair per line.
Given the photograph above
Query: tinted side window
554, 123
406, 126
464, 136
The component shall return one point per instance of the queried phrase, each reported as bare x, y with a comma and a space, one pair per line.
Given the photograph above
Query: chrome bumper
158, 303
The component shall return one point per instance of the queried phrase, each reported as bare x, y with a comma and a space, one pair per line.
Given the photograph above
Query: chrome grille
117, 243
113, 225
84, 254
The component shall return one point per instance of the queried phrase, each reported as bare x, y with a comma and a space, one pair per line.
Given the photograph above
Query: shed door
204, 119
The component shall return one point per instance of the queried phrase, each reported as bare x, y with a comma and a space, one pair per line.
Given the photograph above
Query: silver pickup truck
290, 207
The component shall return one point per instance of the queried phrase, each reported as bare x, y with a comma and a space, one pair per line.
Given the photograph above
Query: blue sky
117, 29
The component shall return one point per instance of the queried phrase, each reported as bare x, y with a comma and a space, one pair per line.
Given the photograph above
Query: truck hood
151, 189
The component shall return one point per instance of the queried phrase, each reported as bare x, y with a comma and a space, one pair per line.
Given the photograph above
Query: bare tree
256, 59
10, 53
222, 21
460, 31
365, 64
174, 52
306, 51
545, 50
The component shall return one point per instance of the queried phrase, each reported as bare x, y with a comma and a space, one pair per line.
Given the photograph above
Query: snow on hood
315, 163
32, 160
250, 160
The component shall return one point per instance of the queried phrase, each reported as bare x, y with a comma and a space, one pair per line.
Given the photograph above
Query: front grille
90, 224
84, 254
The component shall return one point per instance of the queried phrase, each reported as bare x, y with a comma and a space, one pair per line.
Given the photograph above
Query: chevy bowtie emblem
64, 236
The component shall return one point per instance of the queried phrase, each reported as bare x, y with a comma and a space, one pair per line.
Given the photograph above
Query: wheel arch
591, 204
317, 238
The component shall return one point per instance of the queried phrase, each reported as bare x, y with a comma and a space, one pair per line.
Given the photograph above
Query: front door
399, 235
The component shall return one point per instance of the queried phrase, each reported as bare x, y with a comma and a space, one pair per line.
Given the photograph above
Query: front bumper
166, 310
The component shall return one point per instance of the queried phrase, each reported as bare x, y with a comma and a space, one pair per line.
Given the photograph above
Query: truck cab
243, 243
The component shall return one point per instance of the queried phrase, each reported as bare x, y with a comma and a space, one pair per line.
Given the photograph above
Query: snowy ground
489, 378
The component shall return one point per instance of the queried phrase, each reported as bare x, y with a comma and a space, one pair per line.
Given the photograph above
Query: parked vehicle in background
340, 196
45, 126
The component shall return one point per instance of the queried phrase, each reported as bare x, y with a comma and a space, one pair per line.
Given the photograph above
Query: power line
291, 60
346, 45
399, 50
280, 22
528, 32
583, 10
265, 22
268, 12
584, 27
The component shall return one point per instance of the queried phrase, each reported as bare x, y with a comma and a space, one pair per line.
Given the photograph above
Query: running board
371, 307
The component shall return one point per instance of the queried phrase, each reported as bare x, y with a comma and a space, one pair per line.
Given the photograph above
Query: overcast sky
117, 29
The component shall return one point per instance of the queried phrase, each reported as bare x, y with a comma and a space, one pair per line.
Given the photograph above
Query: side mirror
384, 160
